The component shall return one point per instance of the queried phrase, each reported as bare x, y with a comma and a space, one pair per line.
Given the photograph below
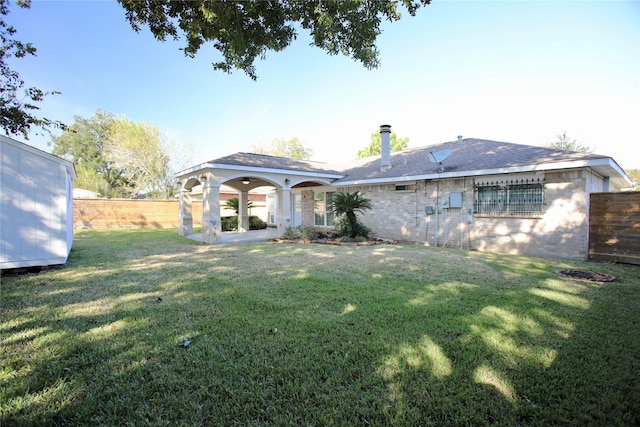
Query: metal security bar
509, 197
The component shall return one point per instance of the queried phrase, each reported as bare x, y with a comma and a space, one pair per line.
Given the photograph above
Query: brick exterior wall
560, 231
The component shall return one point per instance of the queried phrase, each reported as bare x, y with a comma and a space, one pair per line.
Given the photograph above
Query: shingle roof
273, 162
469, 154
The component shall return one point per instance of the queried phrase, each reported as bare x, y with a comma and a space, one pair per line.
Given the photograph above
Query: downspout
435, 232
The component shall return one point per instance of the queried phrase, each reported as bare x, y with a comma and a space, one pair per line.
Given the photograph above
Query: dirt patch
587, 276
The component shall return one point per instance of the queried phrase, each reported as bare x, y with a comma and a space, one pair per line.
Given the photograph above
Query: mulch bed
336, 242
587, 276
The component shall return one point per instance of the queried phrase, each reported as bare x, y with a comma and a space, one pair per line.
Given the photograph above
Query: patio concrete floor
242, 236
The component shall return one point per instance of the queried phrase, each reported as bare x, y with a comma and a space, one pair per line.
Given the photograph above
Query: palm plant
349, 205
234, 204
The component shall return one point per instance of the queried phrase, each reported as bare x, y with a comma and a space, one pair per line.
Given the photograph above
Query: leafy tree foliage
563, 142
17, 111
84, 143
138, 149
634, 174
375, 148
245, 30
117, 157
349, 205
290, 148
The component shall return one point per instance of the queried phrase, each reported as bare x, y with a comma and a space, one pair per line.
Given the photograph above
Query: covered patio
245, 172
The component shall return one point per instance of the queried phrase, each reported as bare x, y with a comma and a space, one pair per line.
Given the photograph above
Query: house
468, 193
36, 206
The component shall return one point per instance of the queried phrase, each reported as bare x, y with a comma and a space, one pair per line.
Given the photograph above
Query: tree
117, 157
634, 174
17, 111
84, 143
349, 205
375, 148
290, 148
245, 30
139, 150
563, 142
234, 204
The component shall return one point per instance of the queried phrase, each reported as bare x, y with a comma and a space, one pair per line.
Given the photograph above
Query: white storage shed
36, 206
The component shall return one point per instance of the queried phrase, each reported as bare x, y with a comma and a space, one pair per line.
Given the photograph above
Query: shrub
291, 233
300, 232
229, 223
308, 233
343, 230
255, 223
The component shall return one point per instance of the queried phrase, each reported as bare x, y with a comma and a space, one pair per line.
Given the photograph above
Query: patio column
243, 215
185, 220
284, 209
211, 224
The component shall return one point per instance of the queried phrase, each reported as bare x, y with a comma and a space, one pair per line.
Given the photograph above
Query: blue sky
516, 71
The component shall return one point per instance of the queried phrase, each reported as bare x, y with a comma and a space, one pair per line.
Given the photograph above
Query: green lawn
290, 334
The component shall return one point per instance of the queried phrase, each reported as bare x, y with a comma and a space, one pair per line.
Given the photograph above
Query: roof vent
459, 138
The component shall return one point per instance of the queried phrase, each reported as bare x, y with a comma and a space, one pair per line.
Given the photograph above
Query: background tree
290, 148
18, 111
84, 143
139, 150
119, 158
245, 30
563, 142
349, 205
634, 174
375, 148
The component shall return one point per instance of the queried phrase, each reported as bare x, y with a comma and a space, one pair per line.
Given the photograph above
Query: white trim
257, 169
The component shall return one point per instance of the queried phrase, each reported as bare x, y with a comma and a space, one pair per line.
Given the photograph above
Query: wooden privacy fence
614, 227
125, 213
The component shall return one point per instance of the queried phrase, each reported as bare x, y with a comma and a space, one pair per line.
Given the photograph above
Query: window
509, 197
406, 187
323, 209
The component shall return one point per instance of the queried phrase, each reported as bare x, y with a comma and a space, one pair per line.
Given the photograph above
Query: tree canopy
375, 148
290, 148
117, 157
634, 174
564, 142
18, 112
245, 30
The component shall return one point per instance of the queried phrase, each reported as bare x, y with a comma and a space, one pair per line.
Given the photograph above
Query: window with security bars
516, 197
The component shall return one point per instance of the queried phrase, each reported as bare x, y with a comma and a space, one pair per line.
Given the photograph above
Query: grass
315, 335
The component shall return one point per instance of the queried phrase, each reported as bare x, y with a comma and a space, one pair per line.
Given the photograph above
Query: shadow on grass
292, 335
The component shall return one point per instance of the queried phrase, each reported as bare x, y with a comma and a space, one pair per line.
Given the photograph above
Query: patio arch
244, 172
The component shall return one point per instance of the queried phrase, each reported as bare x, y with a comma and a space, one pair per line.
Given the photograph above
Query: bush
343, 230
300, 232
291, 233
308, 233
230, 223
255, 223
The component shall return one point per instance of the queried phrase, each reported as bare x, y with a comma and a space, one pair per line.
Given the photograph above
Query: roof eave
604, 166
255, 169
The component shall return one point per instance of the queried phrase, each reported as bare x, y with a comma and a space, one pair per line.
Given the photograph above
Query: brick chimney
385, 137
